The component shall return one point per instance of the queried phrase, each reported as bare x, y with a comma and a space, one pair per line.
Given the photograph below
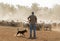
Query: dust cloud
20, 13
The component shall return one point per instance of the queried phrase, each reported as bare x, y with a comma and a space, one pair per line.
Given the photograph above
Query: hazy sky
43, 3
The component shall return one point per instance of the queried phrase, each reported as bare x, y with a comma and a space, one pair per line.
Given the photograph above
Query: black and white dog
21, 32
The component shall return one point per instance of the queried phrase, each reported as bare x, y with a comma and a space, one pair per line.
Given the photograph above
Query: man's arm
36, 19
29, 18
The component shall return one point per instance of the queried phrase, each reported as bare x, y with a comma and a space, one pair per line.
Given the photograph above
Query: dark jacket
32, 19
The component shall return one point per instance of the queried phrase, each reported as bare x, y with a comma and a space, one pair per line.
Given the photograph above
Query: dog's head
25, 30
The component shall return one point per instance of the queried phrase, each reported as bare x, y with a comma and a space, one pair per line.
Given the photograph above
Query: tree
34, 7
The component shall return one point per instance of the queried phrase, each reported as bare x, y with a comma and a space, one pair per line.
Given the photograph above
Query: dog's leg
17, 33
23, 35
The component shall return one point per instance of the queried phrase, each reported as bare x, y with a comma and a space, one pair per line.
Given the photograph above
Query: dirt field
8, 34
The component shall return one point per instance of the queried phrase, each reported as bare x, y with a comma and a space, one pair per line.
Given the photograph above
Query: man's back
33, 19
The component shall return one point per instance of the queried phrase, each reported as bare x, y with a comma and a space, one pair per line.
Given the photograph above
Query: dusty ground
8, 34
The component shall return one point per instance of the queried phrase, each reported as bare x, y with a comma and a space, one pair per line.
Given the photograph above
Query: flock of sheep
40, 26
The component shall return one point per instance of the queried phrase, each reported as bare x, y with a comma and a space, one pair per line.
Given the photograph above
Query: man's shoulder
32, 16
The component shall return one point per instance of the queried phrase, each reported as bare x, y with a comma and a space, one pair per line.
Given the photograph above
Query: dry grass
8, 34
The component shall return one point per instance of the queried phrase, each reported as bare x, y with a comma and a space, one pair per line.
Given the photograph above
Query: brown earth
9, 34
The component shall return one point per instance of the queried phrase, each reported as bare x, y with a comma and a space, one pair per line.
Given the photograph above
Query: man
32, 20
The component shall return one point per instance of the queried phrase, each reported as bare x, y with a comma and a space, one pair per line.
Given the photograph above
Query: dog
21, 32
